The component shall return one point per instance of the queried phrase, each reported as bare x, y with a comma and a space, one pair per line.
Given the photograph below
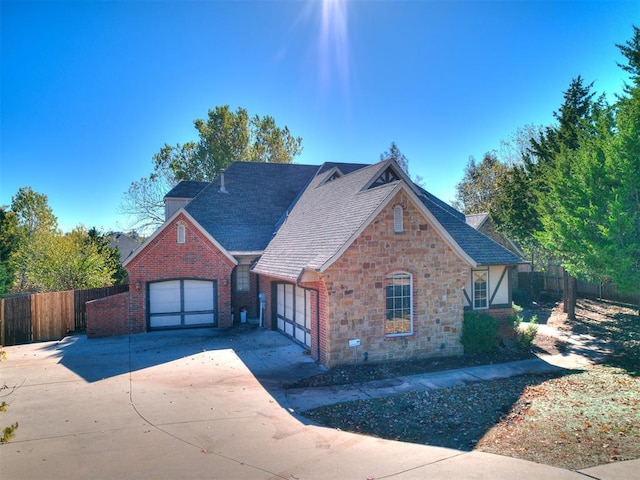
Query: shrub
527, 335
513, 321
479, 333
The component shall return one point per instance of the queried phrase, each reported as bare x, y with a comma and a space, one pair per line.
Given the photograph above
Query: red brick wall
164, 259
500, 313
108, 316
264, 286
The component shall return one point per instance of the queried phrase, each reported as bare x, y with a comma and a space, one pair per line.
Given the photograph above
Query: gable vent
385, 177
333, 177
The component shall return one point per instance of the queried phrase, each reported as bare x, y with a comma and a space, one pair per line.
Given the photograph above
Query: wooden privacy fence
39, 317
551, 281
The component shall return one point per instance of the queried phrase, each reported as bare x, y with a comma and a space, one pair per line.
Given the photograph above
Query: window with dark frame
242, 278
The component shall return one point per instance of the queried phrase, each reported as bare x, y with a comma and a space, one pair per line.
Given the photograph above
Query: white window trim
181, 233
410, 332
473, 289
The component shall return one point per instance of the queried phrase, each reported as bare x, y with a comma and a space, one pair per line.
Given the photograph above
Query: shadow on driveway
271, 357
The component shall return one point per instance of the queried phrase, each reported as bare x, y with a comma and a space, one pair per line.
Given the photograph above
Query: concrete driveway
196, 404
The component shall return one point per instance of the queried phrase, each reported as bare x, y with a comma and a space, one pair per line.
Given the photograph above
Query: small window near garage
399, 304
398, 220
480, 289
242, 278
182, 235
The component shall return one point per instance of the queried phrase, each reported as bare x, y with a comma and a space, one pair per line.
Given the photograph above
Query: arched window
182, 236
398, 221
399, 308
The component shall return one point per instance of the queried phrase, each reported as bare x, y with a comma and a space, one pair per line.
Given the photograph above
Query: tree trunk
570, 305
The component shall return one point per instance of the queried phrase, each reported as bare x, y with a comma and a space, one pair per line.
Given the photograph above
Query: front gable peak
388, 172
387, 176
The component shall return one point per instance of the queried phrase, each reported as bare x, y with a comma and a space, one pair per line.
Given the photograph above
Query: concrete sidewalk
301, 399
205, 404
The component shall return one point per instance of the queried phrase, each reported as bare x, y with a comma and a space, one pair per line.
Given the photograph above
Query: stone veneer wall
165, 259
354, 288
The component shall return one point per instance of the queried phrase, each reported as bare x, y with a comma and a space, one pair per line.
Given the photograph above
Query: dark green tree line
575, 191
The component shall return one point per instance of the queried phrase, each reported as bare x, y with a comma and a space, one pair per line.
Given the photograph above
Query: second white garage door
182, 303
293, 311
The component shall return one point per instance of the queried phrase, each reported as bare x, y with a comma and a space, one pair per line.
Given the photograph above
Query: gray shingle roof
245, 218
299, 222
325, 217
186, 189
482, 249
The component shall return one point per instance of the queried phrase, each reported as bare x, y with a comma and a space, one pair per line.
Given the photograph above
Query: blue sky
91, 90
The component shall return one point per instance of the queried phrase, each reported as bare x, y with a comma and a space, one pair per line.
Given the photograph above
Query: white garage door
293, 311
182, 303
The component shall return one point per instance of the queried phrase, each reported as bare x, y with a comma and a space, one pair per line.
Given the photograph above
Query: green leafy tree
590, 211
223, 138
110, 254
36, 226
477, 191
574, 118
579, 193
571, 116
8, 246
623, 228
513, 209
37, 257
68, 262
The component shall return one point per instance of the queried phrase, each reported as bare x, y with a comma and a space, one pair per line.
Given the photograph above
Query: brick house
353, 261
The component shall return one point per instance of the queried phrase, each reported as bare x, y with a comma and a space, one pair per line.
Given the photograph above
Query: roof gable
181, 212
323, 222
388, 175
304, 216
329, 215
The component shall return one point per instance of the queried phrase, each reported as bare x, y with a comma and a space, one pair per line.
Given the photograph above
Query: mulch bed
574, 420
366, 372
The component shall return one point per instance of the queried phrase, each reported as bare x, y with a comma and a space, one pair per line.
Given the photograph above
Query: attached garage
293, 312
182, 303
